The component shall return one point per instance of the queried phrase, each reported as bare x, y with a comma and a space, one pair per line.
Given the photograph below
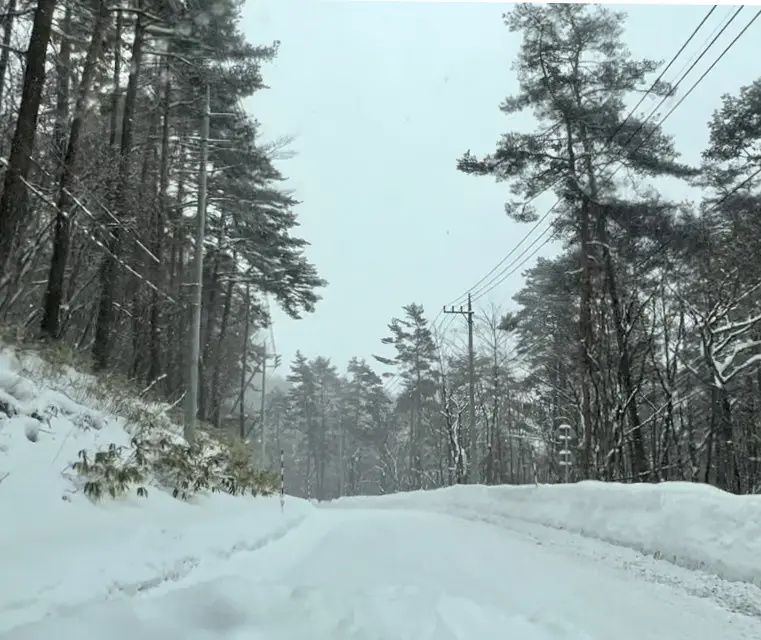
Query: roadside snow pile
692, 525
87, 485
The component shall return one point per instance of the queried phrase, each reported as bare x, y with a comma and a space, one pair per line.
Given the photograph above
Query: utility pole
263, 411
473, 453
263, 408
194, 339
191, 400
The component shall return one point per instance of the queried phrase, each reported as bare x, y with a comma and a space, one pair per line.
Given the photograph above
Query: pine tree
574, 73
366, 447
416, 361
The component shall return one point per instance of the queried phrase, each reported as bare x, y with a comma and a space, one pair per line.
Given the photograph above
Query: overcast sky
382, 98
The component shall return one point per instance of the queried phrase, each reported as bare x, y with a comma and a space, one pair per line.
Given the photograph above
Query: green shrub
106, 472
156, 455
171, 464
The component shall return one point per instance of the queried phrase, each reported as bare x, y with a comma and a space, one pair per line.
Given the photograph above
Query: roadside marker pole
565, 453
282, 481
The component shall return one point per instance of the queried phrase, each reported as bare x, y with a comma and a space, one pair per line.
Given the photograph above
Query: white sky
383, 98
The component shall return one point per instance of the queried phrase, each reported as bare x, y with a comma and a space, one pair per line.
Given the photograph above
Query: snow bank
695, 526
58, 550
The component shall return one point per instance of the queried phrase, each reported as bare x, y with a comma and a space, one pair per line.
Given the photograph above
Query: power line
499, 264
609, 142
704, 43
673, 109
86, 232
37, 192
510, 253
715, 62
698, 81
105, 228
655, 128
440, 315
665, 70
506, 271
524, 261
497, 279
681, 79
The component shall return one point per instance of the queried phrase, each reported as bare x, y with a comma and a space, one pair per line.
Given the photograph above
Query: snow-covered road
381, 574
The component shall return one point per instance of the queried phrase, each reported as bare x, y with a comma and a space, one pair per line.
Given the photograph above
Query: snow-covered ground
401, 575
58, 551
466, 563
695, 526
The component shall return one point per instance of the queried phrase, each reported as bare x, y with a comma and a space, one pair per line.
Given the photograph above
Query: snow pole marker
565, 453
282, 481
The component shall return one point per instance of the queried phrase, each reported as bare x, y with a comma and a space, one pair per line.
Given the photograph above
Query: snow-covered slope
58, 550
694, 526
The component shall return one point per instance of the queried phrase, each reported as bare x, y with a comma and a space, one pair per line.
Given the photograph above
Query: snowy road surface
376, 574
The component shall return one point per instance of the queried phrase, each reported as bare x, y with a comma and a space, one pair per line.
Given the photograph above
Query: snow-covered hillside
59, 549
464, 563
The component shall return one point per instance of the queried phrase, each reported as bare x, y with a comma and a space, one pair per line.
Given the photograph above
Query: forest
633, 354
640, 341
103, 109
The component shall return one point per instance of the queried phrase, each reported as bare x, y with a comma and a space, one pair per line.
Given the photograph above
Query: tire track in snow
738, 597
43, 604
185, 567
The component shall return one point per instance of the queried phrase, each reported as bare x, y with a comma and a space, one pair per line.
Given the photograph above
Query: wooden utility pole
263, 408
263, 411
194, 346
473, 453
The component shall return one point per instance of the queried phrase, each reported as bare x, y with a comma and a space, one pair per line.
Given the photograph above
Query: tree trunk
109, 271
15, 198
117, 79
210, 292
244, 363
10, 10
62, 234
154, 370
216, 400
63, 88
639, 459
